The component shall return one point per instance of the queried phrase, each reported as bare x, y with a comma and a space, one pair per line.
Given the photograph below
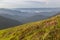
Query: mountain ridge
7, 23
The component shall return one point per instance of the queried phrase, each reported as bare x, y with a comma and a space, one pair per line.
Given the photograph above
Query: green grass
48, 29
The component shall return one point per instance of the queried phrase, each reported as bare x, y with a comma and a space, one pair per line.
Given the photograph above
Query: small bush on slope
42, 30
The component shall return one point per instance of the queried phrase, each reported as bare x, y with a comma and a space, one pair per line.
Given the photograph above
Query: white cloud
29, 3
40, 0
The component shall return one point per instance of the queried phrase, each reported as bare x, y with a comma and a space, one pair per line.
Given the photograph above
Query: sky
29, 3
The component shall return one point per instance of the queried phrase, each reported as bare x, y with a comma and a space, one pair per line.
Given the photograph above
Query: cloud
29, 3
20, 3
40, 0
36, 2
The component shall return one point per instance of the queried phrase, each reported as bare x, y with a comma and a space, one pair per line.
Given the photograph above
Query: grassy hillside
42, 30
6, 22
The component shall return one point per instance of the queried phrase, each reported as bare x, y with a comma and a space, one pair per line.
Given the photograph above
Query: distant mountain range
25, 15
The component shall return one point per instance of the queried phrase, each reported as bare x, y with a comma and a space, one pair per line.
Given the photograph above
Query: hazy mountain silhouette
25, 15
6, 23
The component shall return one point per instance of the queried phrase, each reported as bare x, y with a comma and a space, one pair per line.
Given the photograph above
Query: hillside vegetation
48, 29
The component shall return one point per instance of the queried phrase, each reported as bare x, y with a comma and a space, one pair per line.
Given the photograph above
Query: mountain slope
6, 22
34, 18
42, 30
